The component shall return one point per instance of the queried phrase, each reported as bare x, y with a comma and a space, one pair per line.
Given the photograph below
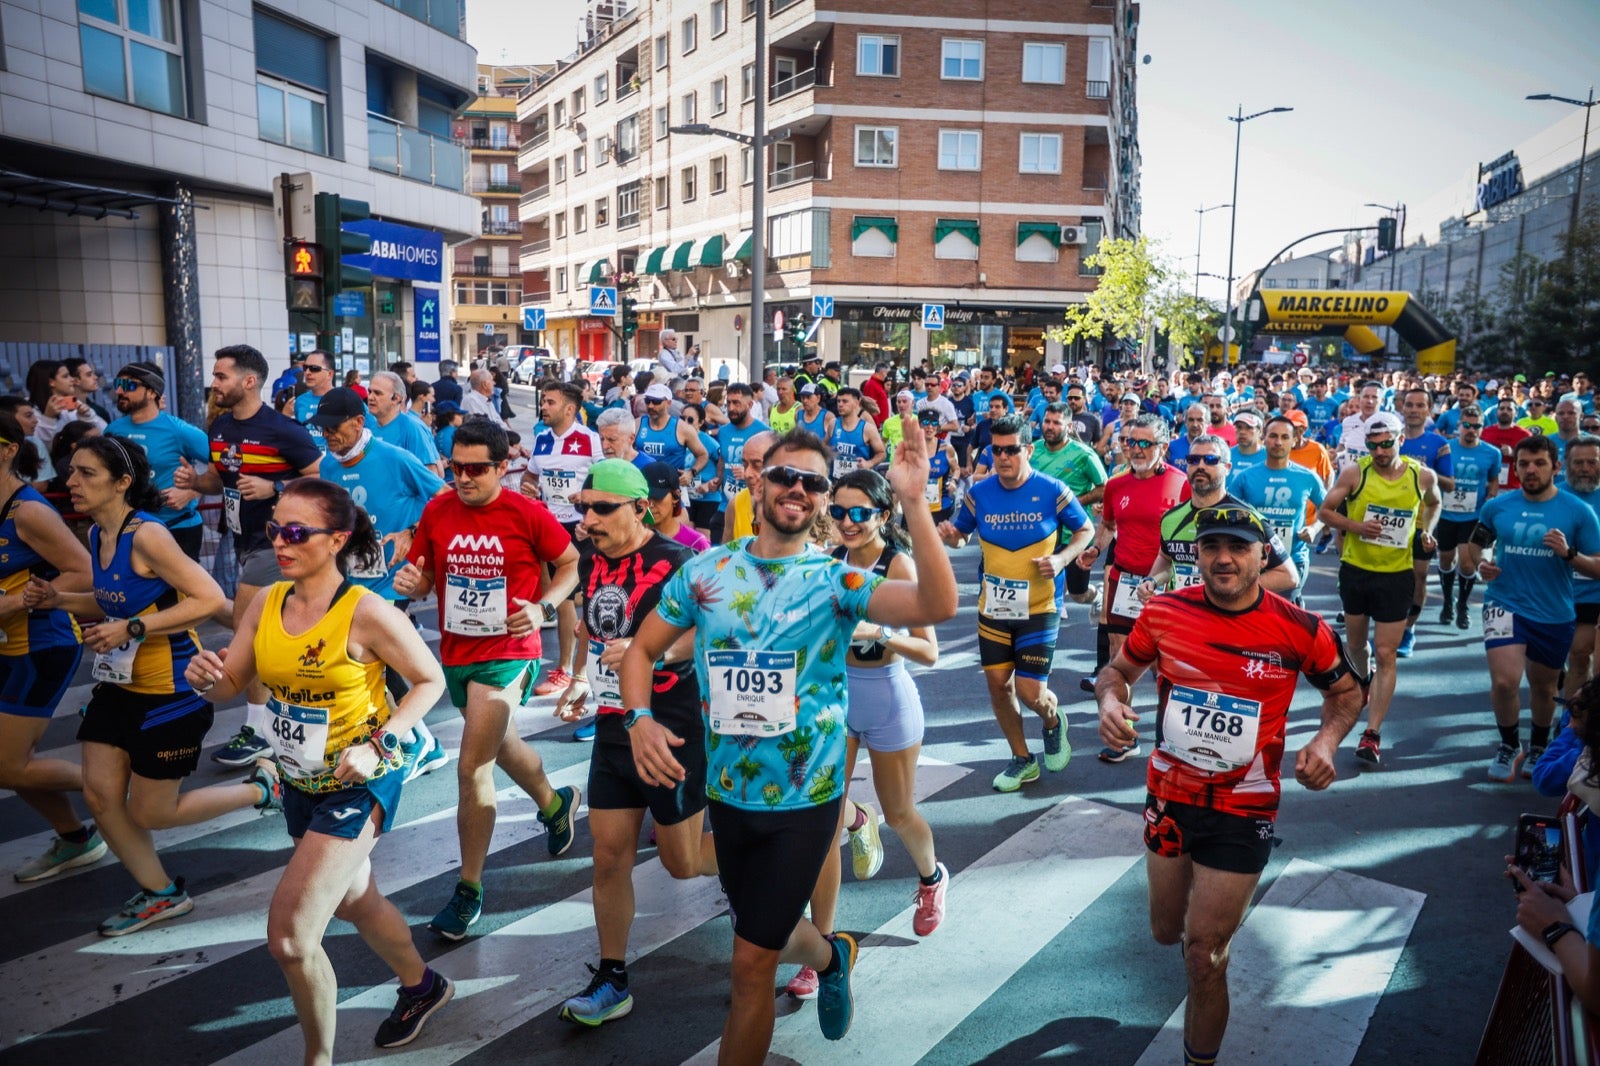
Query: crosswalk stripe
1052, 870
523, 985
1307, 969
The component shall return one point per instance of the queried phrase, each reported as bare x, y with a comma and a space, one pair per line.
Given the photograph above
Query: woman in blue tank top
144, 726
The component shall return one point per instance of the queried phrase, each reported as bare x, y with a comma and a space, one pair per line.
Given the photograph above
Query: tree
1559, 327
1139, 293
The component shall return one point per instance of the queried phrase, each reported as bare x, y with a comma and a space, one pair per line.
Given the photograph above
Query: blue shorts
31, 685
1547, 642
344, 813
885, 710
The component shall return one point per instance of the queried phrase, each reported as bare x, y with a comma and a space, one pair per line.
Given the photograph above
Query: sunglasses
1007, 449
1208, 460
856, 515
651, 401
604, 509
787, 477
928, 418
1472, 425
296, 532
1371, 444
309, 367
1142, 445
127, 384
471, 469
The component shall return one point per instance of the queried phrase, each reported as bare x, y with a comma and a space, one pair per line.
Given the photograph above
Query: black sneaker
404, 1024
1446, 614
1462, 622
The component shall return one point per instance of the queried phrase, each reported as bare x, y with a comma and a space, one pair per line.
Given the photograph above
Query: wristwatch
385, 742
135, 629
548, 609
634, 715
1555, 931
277, 487
1572, 552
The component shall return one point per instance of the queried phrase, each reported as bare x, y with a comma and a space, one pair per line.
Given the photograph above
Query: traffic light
1386, 227
303, 267
629, 316
797, 330
332, 212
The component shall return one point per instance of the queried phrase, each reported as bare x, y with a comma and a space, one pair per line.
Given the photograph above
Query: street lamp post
1198, 230
1233, 216
1583, 154
1399, 212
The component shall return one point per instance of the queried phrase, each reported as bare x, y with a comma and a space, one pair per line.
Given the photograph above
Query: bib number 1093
755, 682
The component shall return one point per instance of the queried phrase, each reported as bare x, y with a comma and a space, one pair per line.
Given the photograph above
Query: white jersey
561, 463
1352, 440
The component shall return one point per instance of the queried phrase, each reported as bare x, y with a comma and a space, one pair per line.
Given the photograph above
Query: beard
773, 515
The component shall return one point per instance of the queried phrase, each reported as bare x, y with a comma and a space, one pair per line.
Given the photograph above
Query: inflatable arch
1354, 313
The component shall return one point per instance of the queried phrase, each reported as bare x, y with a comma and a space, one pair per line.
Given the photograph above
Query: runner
1582, 475
166, 440
732, 437
1382, 503
781, 417
1540, 535
386, 397
705, 492
618, 430
670, 438
488, 546
770, 618
1505, 434
1073, 463
1030, 528
665, 513
1226, 656
622, 567
856, 442
1432, 450
813, 417
1477, 479
743, 515
944, 472
337, 746
1283, 491
39, 653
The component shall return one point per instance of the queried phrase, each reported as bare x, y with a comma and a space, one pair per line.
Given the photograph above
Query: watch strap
633, 716
1555, 931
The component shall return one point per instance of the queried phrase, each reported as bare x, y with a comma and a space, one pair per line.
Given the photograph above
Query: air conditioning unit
580, 130
735, 268
1073, 234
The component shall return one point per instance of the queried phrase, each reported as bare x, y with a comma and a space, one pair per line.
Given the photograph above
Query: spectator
86, 381
447, 387
352, 381
479, 400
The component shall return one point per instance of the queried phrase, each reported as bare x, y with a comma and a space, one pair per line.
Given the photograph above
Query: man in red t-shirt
483, 547
875, 389
1504, 435
1227, 656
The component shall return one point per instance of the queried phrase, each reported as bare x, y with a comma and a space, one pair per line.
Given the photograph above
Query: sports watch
1555, 931
633, 716
136, 629
549, 610
385, 742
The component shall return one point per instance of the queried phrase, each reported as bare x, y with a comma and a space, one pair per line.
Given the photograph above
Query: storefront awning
887, 226
655, 261
597, 272
967, 227
1050, 231
680, 256
742, 247
707, 251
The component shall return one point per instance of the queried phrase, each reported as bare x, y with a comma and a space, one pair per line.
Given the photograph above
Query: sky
1394, 101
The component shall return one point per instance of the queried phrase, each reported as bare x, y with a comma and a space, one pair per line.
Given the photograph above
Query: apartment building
141, 145
925, 156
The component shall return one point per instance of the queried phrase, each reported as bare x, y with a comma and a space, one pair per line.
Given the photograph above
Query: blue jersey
165, 441
1280, 496
662, 445
1475, 469
1242, 462
1534, 583
1449, 422
393, 487
409, 435
1430, 449
27, 631
771, 636
158, 662
1178, 452
731, 439
1586, 589
981, 398
713, 450
1015, 527
817, 426
1320, 412
849, 446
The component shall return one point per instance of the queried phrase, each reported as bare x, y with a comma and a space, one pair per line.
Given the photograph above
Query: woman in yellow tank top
319, 644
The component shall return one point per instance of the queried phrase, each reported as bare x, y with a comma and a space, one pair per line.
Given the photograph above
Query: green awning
597, 272
1050, 231
887, 226
654, 262
708, 251
967, 227
680, 256
746, 239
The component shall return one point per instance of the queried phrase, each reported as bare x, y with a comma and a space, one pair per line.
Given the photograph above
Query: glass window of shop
866, 343
969, 345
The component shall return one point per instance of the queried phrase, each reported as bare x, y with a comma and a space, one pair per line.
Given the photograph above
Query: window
602, 150
663, 120
561, 169
747, 82
580, 160
691, 34
628, 205
627, 138
561, 279
289, 115
747, 166
1045, 64
291, 85
560, 228
134, 52
961, 61
1038, 242
877, 56
749, 9
602, 212
663, 50
499, 175
719, 174
602, 88
959, 149
874, 237
580, 219
1097, 75
1041, 153
688, 108
577, 102
789, 235
560, 113
719, 96
663, 190
955, 238
687, 192
719, 17
877, 146
1093, 231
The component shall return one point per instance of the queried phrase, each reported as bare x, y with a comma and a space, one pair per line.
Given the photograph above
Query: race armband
1326, 679
1482, 535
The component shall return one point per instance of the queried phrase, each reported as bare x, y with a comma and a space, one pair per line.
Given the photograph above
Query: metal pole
1228, 330
758, 206
1199, 229
1583, 158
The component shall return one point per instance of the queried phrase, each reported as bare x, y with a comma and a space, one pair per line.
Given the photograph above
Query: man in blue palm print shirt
772, 620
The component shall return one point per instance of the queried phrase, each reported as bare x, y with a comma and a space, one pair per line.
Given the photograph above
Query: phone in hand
1538, 848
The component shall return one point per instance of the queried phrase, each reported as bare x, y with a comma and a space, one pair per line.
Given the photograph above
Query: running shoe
265, 776
866, 845
146, 908
242, 749
836, 1006
601, 1002
585, 731
559, 825
1119, 754
803, 985
1446, 614
62, 855
431, 760
1462, 621
1531, 763
1367, 748
1408, 644
412, 753
556, 681
1086, 683
1018, 772
930, 903
460, 914
1057, 751
404, 1023
1503, 764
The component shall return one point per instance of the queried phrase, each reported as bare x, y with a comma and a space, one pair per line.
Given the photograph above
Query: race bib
1496, 623
1185, 575
475, 606
1209, 730
1505, 475
1461, 501
557, 486
1125, 601
1285, 534
116, 665
299, 737
378, 571
1396, 523
752, 692
931, 493
603, 681
843, 464
231, 502
1004, 601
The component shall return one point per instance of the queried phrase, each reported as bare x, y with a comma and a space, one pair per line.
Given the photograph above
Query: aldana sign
1499, 181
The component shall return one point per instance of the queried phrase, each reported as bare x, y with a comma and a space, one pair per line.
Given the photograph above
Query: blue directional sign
602, 300
822, 307
933, 316
533, 318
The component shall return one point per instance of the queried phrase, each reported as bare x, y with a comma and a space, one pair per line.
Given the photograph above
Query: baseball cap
658, 391
1522, 378
1298, 417
1383, 422
661, 479
904, 394
1250, 418
808, 389
618, 477
1230, 521
1059, 368
447, 407
337, 406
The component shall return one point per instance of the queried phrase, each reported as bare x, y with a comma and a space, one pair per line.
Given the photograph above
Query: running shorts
1214, 839
1547, 643
162, 733
342, 814
32, 685
1382, 597
885, 711
496, 673
1026, 645
768, 863
615, 784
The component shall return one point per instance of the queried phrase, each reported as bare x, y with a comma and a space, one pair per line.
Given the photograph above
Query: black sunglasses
603, 508
309, 367
787, 477
1007, 449
296, 532
856, 514
1208, 460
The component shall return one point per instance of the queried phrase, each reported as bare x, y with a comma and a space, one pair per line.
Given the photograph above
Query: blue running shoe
601, 1002
836, 1005
558, 826
1408, 644
585, 731
459, 915
431, 760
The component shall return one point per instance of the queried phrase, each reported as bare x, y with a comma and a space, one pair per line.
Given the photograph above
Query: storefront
407, 307
973, 335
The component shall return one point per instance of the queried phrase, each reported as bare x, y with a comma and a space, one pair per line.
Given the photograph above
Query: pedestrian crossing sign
602, 300
933, 316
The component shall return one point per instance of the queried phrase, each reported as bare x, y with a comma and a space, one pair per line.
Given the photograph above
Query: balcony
414, 154
535, 247
534, 195
474, 269
781, 5
494, 227
532, 150
794, 175
494, 142
495, 188
1097, 90
797, 83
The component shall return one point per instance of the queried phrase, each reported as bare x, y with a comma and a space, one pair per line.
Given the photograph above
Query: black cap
1231, 521
339, 405
662, 479
831, 366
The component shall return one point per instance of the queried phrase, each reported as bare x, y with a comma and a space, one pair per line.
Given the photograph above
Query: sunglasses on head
1208, 460
471, 469
296, 532
1389, 443
856, 515
1134, 442
1007, 449
603, 508
787, 477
